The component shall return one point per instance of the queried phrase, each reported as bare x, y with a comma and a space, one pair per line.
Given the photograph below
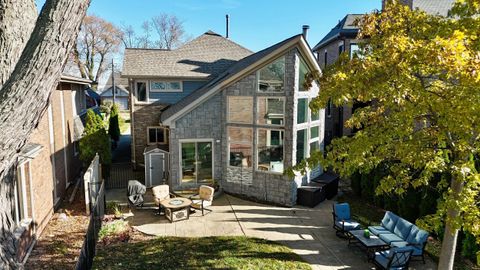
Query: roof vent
227, 22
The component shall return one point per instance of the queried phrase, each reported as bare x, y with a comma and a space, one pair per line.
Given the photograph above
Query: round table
177, 208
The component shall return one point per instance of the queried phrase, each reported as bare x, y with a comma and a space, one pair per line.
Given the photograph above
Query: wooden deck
120, 173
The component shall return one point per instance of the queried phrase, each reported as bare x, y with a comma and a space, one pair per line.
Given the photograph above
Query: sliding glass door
197, 162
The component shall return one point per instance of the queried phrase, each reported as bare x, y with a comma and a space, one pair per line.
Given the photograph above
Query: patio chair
342, 220
135, 192
395, 258
161, 193
203, 199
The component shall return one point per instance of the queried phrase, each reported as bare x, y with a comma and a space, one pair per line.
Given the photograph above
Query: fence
95, 190
121, 173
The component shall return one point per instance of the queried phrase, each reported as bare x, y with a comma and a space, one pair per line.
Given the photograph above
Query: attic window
271, 78
166, 86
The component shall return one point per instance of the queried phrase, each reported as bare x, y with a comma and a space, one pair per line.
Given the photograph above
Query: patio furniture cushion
342, 211
376, 230
417, 236
348, 225
417, 251
390, 237
402, 228
389, 221
383, 258
161, 193
198, 203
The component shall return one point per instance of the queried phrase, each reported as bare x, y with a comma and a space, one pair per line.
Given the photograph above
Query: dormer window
166, 86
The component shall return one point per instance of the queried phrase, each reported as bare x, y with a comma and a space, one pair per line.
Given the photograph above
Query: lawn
198, 253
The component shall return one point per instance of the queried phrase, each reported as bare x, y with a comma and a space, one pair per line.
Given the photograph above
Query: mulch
60, 243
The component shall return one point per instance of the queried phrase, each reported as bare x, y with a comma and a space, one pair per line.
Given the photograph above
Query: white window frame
256, 150
229, 141
164, 135
166, 90
147, 90
352, 51
257, 121
251, 111
195, 141
312, 140
21, 215
284, 76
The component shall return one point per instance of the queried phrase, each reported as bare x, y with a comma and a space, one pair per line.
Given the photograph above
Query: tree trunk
449, 243
25, 95
17, 19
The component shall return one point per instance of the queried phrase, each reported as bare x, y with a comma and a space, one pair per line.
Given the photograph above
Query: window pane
204, 162
270, 150
141, 91
270, 111
302, 110
271, 77
152, 135
303, 71
314, 115
240, 145
314, 146
353, 49
160, 135
240, 110
301, 144
188, 163
314, 132
174, 86
158, 86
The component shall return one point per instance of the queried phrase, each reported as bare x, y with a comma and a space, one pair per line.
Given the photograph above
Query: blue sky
254, 24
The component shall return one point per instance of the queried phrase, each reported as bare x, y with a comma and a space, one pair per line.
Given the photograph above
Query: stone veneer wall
204, 122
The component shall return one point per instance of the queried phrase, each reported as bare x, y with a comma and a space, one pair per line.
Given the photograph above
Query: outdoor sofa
398, 232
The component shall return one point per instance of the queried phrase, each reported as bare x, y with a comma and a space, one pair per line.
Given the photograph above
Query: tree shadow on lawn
199, 253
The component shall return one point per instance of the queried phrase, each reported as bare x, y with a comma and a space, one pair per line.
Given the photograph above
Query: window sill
269, 172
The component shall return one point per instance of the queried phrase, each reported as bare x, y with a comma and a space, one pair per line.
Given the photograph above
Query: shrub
95, 140
117, 230
470, 247
114, 127
368, 190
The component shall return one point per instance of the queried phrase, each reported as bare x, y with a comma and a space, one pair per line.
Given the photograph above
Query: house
121, 91
49, 163
213, 112
343, 38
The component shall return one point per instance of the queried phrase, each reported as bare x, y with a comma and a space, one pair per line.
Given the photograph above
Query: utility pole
113, 82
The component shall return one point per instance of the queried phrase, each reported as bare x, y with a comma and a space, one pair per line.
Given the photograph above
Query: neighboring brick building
242, 120
48, 163
343, 38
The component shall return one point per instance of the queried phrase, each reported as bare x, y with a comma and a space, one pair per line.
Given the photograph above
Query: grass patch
199, 253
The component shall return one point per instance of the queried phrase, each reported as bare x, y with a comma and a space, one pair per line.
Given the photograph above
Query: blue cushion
390, 237
417, 250
376, 230
399, 244
342, 211
389, 221
417, 236
401, 260
402, 228
381, 259
348, 225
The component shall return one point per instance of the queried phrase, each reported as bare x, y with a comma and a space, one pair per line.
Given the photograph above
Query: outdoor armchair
342, 220
161, 193
203, 199
395, 258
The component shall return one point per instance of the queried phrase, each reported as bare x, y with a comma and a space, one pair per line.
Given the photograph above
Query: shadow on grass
199, 253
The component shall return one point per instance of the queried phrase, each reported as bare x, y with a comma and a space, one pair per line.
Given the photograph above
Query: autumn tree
418, 75
32, 52
161, 32
97, 42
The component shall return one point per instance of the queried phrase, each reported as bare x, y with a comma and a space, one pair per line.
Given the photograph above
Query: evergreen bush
114, 127
95, 140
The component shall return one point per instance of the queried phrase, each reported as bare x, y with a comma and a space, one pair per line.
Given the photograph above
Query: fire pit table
177, 209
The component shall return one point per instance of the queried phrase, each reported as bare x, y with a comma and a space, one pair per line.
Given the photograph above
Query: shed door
157, 167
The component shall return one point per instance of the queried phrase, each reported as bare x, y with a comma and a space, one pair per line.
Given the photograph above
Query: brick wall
144, 115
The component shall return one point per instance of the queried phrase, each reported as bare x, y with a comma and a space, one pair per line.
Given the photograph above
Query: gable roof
206, 56
235, 72
108, 91
345, 27
435, 7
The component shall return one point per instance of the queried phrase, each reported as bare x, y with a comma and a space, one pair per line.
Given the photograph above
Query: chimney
227, 26
305, 30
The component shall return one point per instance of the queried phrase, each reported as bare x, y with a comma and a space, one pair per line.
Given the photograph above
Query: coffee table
370, 245
177, 209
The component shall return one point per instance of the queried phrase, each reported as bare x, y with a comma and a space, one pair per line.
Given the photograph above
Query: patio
307, 231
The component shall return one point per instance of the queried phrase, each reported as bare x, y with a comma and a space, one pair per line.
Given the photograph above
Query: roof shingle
206, 56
